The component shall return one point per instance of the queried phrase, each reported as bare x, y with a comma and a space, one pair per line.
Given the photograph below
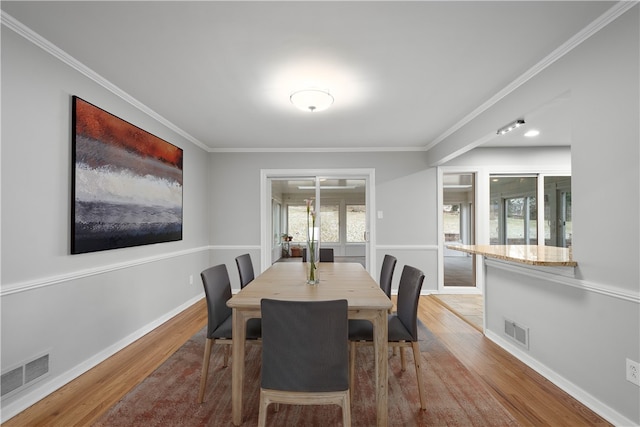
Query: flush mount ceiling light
510, 127
311, 99
532, 133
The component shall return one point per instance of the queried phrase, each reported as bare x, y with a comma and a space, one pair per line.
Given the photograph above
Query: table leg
237, 365
381, 347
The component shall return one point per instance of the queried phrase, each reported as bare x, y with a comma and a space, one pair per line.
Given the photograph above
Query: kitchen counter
549, 256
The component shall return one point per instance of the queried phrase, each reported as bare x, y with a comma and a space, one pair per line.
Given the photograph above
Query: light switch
380, 215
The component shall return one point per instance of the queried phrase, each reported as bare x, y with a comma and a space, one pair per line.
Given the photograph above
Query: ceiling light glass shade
311, 99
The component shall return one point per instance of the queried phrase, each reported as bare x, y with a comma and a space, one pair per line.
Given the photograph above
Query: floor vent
23, 375
12, 380
518, 333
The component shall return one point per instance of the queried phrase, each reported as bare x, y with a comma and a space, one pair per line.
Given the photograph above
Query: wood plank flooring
531, 399
468, 306
84, 400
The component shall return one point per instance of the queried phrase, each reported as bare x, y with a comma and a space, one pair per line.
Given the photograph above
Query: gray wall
82, 308
405, 192
583, 323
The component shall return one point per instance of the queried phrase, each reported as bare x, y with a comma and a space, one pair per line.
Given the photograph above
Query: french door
343, 201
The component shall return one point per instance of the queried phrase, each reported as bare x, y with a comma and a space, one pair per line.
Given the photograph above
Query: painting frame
127, 184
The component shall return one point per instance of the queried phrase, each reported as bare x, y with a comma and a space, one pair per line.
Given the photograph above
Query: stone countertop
549, 256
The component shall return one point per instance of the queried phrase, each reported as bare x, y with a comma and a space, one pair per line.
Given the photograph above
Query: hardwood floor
531, 399
458, 271
84, 400
468, 306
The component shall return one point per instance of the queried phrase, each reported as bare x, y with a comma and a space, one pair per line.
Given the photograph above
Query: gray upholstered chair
386, 273
403, 326
217, 289
305, 355
245, 269
326, 254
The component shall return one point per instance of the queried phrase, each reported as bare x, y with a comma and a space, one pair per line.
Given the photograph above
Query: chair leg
403, 362
352, 367
205, 369
346, 409
262, 411
416, 360
227, 352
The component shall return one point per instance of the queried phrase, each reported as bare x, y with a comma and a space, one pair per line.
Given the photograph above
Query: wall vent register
25, 374
517, 333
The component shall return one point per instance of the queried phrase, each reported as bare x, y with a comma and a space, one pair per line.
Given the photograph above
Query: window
277, 220
514, 210
521, 224
330, 227
451, 223
356, 223
513, 215
557, 211
297, 222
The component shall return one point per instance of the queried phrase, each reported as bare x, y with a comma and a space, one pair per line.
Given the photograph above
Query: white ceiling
402, 73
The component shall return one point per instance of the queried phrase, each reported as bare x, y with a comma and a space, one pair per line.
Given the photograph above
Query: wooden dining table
286, 281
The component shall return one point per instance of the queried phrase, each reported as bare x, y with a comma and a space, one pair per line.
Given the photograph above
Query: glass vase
313, 256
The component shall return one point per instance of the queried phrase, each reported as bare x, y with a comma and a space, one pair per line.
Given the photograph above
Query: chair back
408, 294
305, 345
326, 254
245, 269
386, 273
217, 289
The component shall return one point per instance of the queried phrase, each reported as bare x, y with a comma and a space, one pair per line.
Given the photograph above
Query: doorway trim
368, 174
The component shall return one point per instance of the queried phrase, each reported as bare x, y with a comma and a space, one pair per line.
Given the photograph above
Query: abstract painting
127, 183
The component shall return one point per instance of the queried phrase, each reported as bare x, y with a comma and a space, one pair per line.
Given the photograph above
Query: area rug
168, 396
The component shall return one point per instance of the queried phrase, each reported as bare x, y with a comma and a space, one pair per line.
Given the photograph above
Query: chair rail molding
28, 285
539, 273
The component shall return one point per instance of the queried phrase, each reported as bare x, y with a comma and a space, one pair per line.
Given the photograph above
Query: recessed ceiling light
532, 133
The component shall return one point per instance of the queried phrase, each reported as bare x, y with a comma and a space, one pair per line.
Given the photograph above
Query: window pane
297, 220
532, 236
275, 215
513, 214
521, 221
356, 223
557, 211
494, 222
451, 223
330, 227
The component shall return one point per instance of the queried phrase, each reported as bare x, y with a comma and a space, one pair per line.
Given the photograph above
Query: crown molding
599, 23
35, 38
47, 46
315, 150
614, 12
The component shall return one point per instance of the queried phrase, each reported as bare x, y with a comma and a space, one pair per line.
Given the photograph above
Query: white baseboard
576, 392
43, 389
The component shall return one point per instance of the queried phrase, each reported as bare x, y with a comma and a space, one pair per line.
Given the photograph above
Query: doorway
343, 200
458, 227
